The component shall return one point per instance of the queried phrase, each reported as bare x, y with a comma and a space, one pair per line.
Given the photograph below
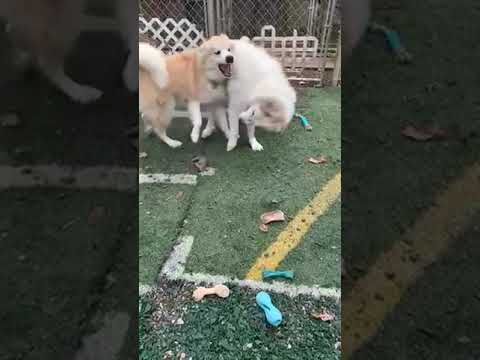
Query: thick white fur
152, 60
257, 76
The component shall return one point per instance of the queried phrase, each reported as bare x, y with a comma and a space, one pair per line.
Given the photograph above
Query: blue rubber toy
304, 121
272, 314
267, 274
393, 40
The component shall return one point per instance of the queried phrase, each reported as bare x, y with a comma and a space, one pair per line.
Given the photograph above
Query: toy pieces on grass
263, 228
268, 274
318, 161
304, 121
219, 290
200, 162
425, 134
269, 217
393, 39
323, 315
272, 216
272, 314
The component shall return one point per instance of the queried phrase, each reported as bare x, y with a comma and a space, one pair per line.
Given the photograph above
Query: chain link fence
246, 18
237, 18
193, 10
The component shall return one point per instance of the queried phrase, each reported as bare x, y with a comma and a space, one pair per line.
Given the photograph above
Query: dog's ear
204, 48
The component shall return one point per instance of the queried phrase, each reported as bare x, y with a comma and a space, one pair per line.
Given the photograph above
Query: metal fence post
337, 70
210, 17
326, 31
311, 16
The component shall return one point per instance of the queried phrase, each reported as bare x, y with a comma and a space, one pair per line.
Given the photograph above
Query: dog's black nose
229, 59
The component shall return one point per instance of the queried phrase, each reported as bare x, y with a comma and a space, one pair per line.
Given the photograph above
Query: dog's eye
228, 50
217, 52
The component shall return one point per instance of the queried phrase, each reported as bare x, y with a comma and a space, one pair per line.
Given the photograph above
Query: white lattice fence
170, 34
295, 53
312, 19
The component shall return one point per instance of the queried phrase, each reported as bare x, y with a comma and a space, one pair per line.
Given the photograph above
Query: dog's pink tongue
228, 69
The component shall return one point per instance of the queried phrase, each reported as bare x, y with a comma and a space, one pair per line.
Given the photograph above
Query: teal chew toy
272, 314
267, 274
304, 121
394, 42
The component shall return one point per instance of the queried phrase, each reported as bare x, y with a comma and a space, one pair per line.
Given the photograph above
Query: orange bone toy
219, 290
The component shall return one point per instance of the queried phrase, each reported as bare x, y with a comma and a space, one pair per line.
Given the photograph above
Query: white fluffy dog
259, 94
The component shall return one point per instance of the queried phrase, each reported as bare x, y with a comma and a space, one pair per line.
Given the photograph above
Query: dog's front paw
174, 144
232, 143
255, 145
85, 94
195, 136
207, 132
148, 130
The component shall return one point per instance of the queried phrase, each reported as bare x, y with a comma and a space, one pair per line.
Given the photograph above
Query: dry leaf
272, 216
263, 228
179, 195
324, 316
319, 160
424, 134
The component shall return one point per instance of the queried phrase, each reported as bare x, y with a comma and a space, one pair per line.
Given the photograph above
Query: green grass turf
319, 250
224, 209
161, 210
234, 328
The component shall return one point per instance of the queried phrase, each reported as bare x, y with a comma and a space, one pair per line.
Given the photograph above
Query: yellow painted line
376, 294
292, 235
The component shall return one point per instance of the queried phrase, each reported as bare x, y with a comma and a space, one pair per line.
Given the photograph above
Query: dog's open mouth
225, 69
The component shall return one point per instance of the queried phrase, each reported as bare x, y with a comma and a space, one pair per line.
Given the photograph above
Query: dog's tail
153, 61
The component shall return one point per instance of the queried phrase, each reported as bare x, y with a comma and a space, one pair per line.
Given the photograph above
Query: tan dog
195, 76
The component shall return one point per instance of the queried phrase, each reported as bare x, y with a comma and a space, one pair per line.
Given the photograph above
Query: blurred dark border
69, 279
391, 181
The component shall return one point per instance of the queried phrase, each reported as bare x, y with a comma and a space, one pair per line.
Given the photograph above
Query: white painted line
174, 269
94, 177
209, 171
276, 286
175, 264
185, 179
144, 289
182, 179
